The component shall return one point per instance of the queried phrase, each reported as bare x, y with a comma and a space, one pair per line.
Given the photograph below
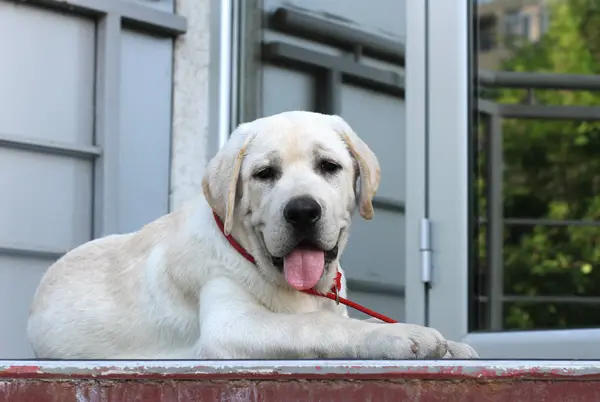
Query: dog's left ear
370, 172
222, 174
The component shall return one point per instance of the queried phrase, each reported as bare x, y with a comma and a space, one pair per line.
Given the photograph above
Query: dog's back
74, 297
93, 294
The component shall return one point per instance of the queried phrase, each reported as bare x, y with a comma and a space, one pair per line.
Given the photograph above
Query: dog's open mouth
330, 255
304, 266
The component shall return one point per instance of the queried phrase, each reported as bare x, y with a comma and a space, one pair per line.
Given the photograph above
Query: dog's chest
298, 303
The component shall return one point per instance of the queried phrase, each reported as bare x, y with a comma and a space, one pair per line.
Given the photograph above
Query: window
517, 26
544, 20
487, 33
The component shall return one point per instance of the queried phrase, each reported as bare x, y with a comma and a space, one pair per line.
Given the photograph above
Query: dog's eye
266, 173
329, 167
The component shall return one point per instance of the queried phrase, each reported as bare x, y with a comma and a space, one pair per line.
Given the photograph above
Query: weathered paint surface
431, 381
293, 390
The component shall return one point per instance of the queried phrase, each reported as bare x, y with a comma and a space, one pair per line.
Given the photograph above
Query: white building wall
191, 120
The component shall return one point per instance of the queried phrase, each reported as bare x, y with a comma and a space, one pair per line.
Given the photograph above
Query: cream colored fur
176, 289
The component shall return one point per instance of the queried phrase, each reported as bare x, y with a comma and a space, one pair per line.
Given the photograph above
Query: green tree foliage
552, 171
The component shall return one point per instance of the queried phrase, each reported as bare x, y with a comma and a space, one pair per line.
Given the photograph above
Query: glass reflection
537, 179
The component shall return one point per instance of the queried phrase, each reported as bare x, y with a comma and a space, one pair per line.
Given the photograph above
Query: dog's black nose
302, 212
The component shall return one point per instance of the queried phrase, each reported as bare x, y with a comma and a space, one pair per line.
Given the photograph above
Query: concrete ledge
112, 381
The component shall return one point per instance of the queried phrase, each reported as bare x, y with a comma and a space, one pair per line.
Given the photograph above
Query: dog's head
288, 184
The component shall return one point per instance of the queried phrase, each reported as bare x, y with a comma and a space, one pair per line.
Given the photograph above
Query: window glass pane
536, 180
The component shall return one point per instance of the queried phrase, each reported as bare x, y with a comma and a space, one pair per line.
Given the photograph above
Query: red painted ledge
181, 381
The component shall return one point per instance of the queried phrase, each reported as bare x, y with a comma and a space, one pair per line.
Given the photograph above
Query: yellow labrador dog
285, 188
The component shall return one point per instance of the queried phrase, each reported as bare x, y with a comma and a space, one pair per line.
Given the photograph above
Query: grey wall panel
145, 133
47, 94
273, 36
382, 17
285, 90
380, 121
47, 71
391, 306
375, 251
162, 5
46, 200
19, 278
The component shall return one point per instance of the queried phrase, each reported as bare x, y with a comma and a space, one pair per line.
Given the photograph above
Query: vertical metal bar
329, 92
427, 161
107, 125
225, 70
416, 151
449, 120
249, 50
495, 215
236, 88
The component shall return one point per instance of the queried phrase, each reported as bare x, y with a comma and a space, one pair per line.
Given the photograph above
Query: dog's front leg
456, 350
234, 326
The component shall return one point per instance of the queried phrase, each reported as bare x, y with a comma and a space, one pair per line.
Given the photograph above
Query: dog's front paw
457, 350
402, 341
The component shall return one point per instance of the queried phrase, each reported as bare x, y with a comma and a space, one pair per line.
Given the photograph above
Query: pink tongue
303, 268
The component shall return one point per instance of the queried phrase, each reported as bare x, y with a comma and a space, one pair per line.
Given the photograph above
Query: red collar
333, 294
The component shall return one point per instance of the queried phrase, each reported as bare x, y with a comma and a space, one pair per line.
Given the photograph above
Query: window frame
450, 111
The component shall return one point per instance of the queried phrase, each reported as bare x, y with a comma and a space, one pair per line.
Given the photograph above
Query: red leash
333, 294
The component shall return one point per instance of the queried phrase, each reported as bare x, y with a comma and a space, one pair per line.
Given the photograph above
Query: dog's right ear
222, 174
